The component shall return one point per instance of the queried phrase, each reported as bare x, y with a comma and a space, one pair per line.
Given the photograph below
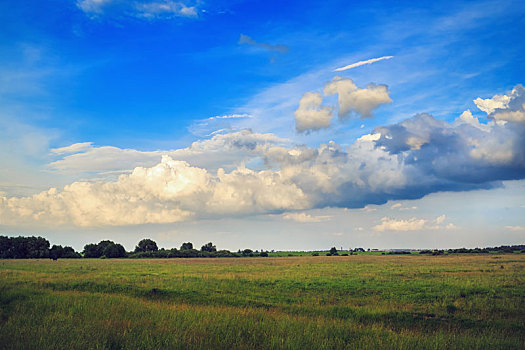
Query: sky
296, 125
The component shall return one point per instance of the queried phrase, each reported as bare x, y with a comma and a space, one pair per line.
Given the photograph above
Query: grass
363, 301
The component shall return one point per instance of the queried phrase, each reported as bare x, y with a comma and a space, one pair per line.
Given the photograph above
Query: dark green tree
186, 246
91, 251
109, 249
146, 245
209, 247
333, 251
114, 250
23, 247
247, 252
57, 251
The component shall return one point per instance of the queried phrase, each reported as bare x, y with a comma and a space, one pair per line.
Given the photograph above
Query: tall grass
362, 301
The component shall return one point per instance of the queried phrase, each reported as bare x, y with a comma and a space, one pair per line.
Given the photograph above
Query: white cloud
93, 6
218, 124
311, 115
397, 205
222, 150
515, 228
158, 9
361, 63
412, 224
150, 10
171, 191
489, 105
268, 174
505, 108
409, 208
368, 209
231, 116
352, 99
303, 217
74, 148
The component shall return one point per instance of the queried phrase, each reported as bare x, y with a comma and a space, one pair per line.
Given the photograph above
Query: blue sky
91, 90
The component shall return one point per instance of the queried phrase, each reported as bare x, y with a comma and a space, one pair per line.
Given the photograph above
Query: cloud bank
269, 175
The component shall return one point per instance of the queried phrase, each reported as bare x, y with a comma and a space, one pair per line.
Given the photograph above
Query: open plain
363, 301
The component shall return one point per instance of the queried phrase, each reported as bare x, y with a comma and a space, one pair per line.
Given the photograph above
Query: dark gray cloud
246, 40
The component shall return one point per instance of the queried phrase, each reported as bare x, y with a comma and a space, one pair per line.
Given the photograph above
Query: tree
208, 247
91, 251
186, 246
247, 252
109, 249
57, 251
333, 251
114, 250
146, 245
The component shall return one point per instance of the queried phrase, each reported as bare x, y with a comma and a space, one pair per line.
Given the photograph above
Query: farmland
323, 302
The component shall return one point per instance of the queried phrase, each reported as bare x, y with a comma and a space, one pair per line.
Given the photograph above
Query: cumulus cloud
246, 40
171, 191
406, 160
311, 115
352, 99
150, 10
506, 108
515, 228
412, 224
303, 217
362, 63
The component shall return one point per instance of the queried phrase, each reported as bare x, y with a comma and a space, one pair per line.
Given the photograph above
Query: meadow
325, 302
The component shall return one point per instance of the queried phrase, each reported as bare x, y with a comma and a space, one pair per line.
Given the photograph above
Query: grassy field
363, 301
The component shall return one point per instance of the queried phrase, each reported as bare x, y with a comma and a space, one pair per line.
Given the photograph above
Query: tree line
39, 247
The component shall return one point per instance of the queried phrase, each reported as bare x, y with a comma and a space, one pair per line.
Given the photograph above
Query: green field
363, 301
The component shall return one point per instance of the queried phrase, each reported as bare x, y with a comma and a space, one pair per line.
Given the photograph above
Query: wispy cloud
74, 148
412, 224
303, 217
362, 63
217, 124
515, 228
246, 40
150, 10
